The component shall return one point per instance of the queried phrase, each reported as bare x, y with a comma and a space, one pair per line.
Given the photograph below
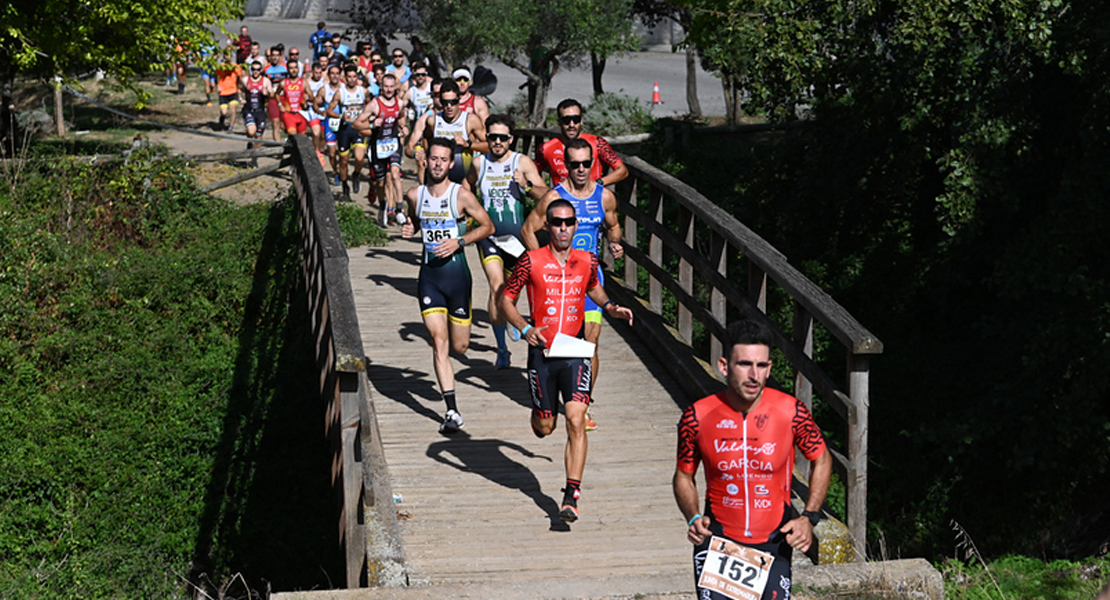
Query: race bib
351, 113
387, 147
333, 124
736, 571
438, 231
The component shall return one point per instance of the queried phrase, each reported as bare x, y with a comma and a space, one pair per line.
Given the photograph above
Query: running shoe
569, 511
452, 422
357, 186
383, 216
502, 361
514, 333
401, 217
591, 424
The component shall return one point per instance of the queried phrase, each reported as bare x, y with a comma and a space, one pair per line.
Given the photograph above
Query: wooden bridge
477, 511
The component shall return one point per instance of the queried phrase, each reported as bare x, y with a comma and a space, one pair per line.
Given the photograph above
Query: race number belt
437, 231
734, 570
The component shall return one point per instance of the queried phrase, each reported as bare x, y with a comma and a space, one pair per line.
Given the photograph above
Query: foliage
358, 227
153, 372
569, 31
616, 114
1024, 578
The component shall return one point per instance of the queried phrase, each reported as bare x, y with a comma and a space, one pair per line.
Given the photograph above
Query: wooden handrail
649, 239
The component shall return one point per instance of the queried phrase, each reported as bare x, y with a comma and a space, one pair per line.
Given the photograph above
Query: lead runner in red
559, 278
745, 436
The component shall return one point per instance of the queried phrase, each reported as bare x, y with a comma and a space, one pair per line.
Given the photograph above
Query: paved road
633, 74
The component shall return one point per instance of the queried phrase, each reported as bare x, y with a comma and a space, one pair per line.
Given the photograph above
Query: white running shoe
401, 218
452, 422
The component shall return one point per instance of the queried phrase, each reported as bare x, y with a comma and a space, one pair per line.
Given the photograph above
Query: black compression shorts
549, 378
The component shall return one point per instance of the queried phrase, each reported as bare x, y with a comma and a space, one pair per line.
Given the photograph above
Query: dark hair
388, 76
350, 69
320, 25
449, 85
560, 203
578, 144
745, 332
417, 64
443, 142
569, 102
505, 120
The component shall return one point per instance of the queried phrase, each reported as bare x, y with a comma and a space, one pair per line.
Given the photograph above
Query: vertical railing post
858, 390
803, 336
631, 277
757, 286
686, 278
655, 249
717, 303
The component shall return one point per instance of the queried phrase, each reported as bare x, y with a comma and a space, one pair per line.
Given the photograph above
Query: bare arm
598, 295
535, 220
471, 181
333, 105
527, 174
799, 532
481, 108
408, 230
364, 123
686, 495
477, 141
613, 231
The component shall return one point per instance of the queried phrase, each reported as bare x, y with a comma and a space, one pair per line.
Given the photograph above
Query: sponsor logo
550, 320
740, 463
550, 265
733, 488
572, 309
761, 503
426, 300
552, 278
760, 421
551, 310
460, 311
443, 203
761, 490
730, 502
574, 292
727, 424
734, 446
548, 302
726, 477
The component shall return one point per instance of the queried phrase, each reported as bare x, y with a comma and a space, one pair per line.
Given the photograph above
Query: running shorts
550, 378
444, 293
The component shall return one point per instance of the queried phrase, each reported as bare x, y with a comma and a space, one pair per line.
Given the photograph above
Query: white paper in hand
509, 244
566, 346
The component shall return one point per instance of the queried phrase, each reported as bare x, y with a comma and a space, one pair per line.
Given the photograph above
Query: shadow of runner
487, 458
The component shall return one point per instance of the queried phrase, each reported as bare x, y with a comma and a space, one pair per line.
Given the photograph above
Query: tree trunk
692, 82
597, 66
8, 130
732, 100
538, 109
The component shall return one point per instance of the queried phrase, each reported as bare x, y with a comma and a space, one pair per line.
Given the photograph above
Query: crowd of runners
538, 225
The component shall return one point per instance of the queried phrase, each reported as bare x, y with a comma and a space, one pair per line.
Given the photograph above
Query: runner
293, 101
420, 92
317, 39
228, 75
453, 123
559, 277
439, 211
549, 157
745, 436
415, 145
383, 123
256, 90
243, 45
316, 82
468, 100
331, 125
277, 73
347, 105
398, 66
502, 179
596, 207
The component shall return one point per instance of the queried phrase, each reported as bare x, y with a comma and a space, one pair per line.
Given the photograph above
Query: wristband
524, 332
692, 519
606, 305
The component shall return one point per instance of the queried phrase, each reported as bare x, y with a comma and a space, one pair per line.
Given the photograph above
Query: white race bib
736, 571
437, 231
387, 147
333, 124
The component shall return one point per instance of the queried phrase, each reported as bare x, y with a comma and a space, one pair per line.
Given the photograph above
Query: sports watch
813, 516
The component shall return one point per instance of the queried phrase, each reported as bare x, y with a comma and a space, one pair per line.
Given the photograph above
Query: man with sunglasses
316, 82
502, 178
439, 211
559, 278
549, 157
293, 100
415, 145
596, 208
256, 90
331, 124
398, 66
383, 123
463, 127
277, 72
469, 101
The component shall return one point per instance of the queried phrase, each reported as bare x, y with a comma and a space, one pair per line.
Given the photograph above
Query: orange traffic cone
655, 94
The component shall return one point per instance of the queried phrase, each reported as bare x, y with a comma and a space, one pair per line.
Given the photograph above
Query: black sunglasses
446, 102
568, 119
579, 164
498, 137
559, 222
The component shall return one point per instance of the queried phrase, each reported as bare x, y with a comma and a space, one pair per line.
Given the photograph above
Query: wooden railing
367, 519
715, 268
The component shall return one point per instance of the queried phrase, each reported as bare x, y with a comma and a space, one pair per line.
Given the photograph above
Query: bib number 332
736, 571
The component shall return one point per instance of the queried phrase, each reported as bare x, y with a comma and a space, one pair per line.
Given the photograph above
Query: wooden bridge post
718, 305
655, 248
803, 336
686, 278
858, 390
757, 286
631, 277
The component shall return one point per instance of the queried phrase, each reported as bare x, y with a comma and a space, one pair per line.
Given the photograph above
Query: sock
499, 335
449, 398
573, 491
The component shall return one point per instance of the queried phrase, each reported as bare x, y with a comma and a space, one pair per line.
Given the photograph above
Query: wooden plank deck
480, 508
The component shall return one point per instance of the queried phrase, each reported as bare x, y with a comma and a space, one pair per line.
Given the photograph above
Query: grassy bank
156, 380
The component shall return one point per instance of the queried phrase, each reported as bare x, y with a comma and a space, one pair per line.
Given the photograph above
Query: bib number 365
736, 571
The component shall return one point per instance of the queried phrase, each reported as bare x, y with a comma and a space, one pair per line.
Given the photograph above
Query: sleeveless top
293, 90
501, 197
591, 214
422, 100
439, 221
256, 99
351, 103
447, 130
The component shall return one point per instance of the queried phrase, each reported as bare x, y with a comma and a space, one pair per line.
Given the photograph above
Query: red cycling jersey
556, 293
550, 158
749, 459
293, 91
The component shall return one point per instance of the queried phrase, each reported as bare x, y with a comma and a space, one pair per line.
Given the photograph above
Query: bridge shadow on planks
490, 458
269, 509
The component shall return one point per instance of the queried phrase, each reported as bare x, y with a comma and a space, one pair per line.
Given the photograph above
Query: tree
120, 37
518, 32
381, 21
